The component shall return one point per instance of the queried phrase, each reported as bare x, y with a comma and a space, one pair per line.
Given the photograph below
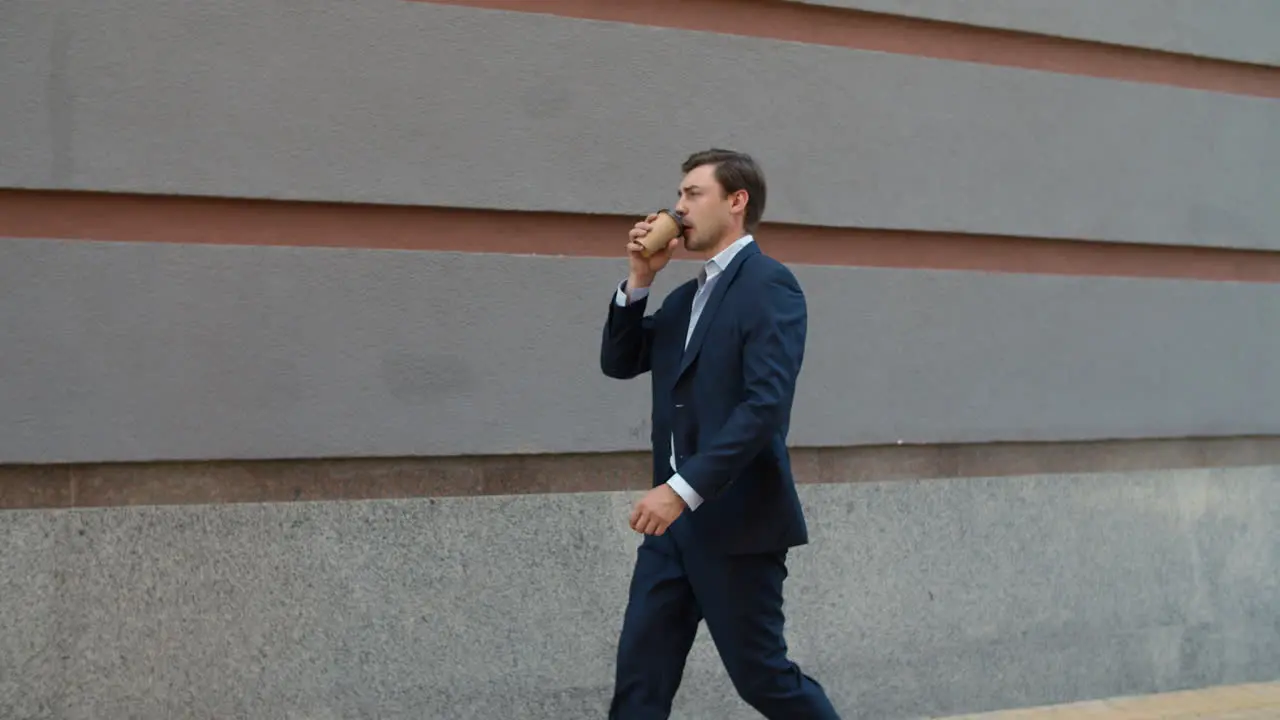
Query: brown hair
734, 171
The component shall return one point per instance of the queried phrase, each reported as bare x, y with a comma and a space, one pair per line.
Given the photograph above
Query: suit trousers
676, 585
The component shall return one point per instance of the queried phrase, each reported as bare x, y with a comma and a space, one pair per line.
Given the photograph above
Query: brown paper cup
667, 225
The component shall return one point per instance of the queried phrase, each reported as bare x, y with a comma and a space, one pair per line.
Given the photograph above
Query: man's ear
738, 201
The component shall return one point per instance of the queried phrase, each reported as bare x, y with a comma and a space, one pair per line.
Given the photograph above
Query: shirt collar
717, 264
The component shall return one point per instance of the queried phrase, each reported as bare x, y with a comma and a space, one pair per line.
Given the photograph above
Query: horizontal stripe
107, 485
1243, 30
160, 351
141, 218
842, 27
436, 105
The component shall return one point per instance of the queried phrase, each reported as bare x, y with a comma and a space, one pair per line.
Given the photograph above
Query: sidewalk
1260, 701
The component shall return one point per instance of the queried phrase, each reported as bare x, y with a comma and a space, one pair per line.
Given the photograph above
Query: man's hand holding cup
650, 245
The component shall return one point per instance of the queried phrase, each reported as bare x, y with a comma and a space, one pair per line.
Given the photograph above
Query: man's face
707, 211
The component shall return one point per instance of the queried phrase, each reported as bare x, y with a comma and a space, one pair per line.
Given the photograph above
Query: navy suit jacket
726, 399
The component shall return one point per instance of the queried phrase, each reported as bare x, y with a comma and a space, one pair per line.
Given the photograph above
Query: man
723, 351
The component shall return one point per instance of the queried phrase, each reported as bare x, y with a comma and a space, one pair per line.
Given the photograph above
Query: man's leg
657, 632
742, 601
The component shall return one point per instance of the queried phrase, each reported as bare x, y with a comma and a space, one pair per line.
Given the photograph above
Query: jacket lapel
713, 304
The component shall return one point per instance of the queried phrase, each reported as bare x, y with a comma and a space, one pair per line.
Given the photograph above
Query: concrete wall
917, 598
434, 105
1242, 30
149, 351
302, 233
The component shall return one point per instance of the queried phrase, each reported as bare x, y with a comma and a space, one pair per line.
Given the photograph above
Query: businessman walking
723, 352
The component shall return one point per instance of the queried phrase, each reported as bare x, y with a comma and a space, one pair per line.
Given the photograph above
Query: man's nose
681, 207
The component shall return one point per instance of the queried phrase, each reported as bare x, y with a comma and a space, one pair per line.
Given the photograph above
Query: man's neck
725, 242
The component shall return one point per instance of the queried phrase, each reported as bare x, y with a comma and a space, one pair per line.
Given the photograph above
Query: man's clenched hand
657, 510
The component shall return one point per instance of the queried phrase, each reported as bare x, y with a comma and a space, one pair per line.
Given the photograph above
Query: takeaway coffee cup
667, 225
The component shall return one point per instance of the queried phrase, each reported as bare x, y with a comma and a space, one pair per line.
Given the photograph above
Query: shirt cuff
684, 490
621, 299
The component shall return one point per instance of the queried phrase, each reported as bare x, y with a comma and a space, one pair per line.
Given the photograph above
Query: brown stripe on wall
188, 483
840, 27
223, 221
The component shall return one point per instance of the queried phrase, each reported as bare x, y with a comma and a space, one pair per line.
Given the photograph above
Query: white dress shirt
711, 270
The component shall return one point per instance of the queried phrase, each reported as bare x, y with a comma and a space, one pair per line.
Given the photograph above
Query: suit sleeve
772, 353
627, 343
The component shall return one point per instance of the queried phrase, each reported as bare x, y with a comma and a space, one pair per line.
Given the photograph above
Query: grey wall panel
916, 599
1243, 30
30, 604
426, 104
38, 106
115, 351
